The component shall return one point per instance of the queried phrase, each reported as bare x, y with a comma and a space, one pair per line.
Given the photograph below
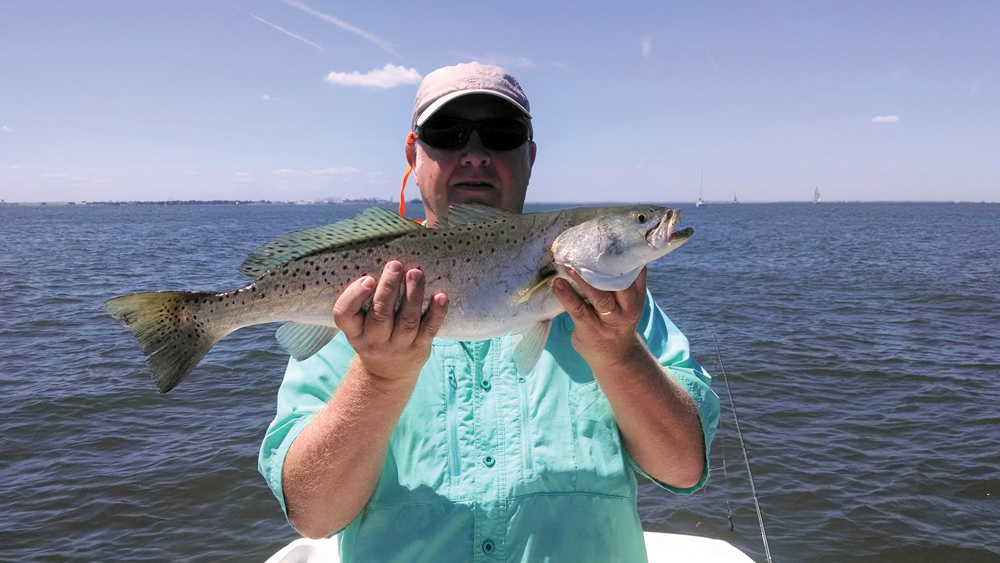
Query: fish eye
641, 218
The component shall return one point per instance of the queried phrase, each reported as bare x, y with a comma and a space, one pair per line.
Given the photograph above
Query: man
420, 449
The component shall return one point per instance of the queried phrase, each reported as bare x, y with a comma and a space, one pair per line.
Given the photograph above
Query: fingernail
394, 267
416, 275
368, 282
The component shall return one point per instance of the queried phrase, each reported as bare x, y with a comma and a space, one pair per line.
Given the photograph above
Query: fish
496, 267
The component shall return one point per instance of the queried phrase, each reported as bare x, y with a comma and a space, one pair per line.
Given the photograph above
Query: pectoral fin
528, 346
302, 340
529, 292
607, 282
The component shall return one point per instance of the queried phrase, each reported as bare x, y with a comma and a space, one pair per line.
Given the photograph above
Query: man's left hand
606, 321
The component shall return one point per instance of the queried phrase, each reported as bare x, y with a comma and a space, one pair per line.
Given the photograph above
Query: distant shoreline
200, 202
375, 201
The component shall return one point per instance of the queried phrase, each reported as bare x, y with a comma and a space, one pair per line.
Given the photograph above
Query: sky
291, 100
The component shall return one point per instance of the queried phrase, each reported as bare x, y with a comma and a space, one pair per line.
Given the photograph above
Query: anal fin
303, 340
528, 346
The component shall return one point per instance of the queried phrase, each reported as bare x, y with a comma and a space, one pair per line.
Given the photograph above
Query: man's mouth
475, 186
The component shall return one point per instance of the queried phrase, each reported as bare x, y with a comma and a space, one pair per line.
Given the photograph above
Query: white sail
701, 188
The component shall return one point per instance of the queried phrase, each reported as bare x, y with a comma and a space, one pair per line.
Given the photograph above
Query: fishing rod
746, 457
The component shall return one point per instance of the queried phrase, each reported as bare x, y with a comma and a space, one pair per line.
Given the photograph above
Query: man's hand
392, 345
605, 327
334, 464
659, 422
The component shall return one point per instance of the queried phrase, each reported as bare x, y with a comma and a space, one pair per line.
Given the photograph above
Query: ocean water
861, 341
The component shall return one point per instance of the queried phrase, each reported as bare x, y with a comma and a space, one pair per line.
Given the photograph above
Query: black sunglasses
449, 133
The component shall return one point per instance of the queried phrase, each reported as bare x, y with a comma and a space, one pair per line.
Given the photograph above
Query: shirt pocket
600, 464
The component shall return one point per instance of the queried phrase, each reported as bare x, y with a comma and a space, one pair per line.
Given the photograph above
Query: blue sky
287, 100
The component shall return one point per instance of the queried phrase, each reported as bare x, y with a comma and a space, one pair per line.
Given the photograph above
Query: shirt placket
489, 463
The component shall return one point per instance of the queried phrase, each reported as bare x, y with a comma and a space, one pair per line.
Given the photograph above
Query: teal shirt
485, 465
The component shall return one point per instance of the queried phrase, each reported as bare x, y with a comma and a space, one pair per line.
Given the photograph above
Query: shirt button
520, 379
486, 385
488, 547
489, 461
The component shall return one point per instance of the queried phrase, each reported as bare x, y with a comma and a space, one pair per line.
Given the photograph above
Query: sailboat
734, 198
816, 195
701, 201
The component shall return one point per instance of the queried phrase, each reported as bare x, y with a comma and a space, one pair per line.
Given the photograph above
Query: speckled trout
496, 267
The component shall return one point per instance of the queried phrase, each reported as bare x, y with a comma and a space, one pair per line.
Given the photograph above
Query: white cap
445, 84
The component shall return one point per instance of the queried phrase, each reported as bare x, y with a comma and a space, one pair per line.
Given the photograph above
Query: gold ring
605, 314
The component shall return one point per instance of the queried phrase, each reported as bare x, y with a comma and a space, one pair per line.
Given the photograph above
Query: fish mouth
662, 234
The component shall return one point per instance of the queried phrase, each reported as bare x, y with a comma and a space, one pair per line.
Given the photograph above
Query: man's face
472, 173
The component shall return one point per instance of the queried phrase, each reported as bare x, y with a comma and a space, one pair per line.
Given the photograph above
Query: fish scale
496, 267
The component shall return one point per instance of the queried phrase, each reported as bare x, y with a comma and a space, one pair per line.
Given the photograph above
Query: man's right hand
392, 345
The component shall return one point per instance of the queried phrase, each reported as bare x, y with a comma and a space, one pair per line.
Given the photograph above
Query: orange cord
411, 138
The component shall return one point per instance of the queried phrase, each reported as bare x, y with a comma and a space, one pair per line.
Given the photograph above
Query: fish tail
168, 328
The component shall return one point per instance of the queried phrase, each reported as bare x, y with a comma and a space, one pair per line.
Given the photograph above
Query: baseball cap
445, 84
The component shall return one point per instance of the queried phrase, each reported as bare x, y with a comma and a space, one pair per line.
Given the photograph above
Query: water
861, 342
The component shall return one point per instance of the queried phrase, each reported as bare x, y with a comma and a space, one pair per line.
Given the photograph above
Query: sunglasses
449, 133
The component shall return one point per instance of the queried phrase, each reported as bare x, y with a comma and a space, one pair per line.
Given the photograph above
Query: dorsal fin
464, 213
370, 223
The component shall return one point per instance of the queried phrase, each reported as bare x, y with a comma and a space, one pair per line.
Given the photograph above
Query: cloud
8, 129
647, 47
388, 76
241, 177
314, 173
15, 167
885, 119
711, 58
504, 61
285, 31
266, 98
63, 177
382, 43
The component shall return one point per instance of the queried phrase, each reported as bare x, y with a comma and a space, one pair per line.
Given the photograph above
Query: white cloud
385, 45
388, 76
241, 177
15, 167
647, 47
314, 173
285, 31
266, 98
504, 61
8, 129
885, 119
63, 177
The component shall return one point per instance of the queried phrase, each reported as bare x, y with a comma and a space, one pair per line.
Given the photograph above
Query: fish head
610, 248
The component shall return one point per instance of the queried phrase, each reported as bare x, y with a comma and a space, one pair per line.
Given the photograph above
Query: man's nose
474, 153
